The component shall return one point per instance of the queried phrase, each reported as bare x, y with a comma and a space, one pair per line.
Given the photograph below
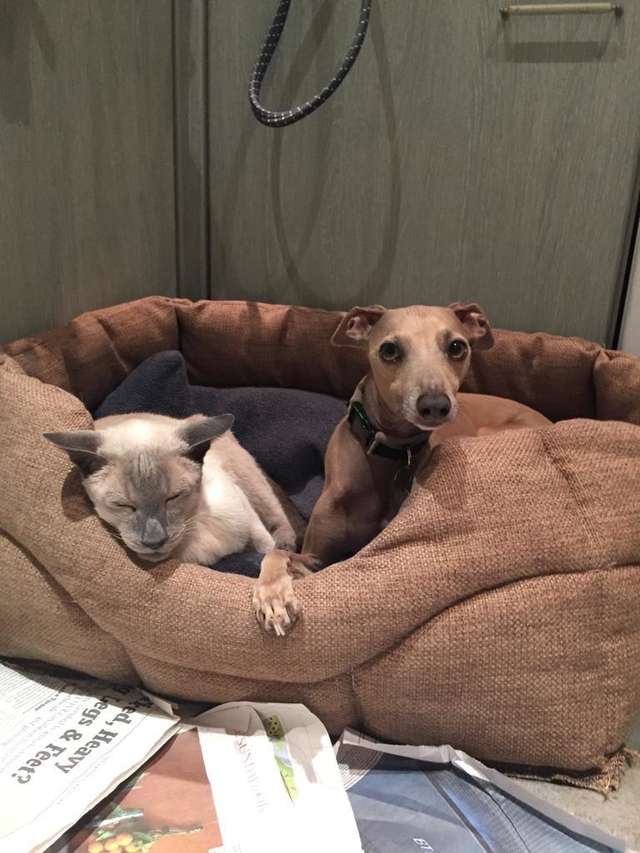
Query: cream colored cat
177, 488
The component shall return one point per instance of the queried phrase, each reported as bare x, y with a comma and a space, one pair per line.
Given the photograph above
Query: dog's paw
301, 565
276, 606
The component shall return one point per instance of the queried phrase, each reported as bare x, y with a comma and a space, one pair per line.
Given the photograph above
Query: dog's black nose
434, 406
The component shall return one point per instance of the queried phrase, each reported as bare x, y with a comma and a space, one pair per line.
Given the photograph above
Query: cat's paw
285, 538
276, 606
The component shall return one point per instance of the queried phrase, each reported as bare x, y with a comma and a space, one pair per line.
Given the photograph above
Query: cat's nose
154, 534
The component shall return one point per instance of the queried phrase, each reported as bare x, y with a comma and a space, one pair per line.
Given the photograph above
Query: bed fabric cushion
499, 612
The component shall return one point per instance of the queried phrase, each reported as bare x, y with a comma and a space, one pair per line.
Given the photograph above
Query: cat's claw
285, 538
276, 606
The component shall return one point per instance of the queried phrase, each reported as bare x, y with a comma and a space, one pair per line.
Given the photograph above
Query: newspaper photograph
165, 807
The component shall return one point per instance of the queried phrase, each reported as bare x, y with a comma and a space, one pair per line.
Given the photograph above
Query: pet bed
498, 612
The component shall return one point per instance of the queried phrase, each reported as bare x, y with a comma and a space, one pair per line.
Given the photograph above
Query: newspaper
92, 768
438, 798
240, 778
64, 744
281, 789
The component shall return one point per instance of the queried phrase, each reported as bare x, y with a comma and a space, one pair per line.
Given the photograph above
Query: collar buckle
373, 441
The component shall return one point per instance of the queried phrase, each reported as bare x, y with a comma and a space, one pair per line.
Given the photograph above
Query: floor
619, 813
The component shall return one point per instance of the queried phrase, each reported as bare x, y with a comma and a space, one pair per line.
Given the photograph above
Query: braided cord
281, 118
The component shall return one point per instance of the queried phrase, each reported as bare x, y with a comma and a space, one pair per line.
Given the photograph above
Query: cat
177, 488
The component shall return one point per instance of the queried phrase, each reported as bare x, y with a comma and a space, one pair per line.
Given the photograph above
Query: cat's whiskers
178, 535
190, 528
197, 515
116, 535
121, 540
192, 523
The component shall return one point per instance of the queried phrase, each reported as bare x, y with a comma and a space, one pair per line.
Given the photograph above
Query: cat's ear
199, 432
82, 448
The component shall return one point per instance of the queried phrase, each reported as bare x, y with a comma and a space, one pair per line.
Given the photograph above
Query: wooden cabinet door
465, 157
86, 157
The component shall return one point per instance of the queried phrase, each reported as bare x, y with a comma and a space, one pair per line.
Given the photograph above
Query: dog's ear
475, 324
355, 327
82, 448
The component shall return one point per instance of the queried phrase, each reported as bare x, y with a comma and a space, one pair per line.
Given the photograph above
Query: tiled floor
618, 813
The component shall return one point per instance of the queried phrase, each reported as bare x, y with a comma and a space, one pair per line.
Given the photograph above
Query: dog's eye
389, 351
457, 349
119, 505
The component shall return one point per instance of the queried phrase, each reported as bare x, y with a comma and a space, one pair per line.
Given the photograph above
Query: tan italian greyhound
418, 357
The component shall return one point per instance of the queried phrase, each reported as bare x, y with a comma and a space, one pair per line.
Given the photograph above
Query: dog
408, 401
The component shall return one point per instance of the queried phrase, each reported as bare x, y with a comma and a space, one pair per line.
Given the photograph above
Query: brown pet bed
499, 612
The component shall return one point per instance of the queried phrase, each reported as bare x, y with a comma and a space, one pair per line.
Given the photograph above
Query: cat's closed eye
175, 497
121, 505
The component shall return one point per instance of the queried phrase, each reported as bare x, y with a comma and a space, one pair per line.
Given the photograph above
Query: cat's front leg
275, 603
285, 537
261, 540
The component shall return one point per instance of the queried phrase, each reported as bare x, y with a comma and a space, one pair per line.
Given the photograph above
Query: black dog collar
374, 442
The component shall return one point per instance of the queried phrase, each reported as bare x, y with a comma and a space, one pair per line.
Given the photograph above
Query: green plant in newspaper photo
123, 831
275, 733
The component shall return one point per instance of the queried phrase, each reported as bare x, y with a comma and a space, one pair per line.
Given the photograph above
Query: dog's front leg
274, 601
342, 523
328, 536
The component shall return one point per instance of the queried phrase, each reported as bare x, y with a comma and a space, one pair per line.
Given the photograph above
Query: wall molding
630, 329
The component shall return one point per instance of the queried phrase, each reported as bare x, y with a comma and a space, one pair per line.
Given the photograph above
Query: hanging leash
281, 118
